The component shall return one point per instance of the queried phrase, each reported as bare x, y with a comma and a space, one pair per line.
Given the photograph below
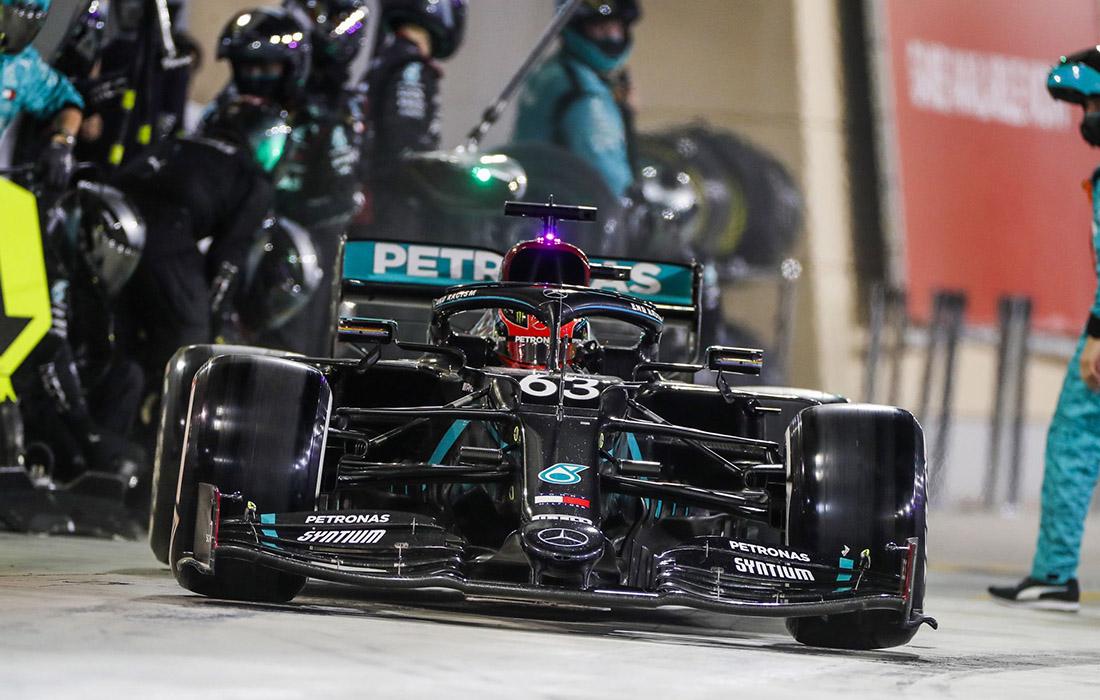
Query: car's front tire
175, 398
857, 480
256, 427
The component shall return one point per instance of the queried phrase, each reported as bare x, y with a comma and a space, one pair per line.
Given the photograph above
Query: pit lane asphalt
99, 619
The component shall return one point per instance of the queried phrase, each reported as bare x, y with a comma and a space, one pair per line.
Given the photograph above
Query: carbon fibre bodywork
576, 485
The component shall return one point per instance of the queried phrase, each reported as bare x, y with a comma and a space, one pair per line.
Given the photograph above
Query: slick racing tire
857, 476
176, 395
256, 427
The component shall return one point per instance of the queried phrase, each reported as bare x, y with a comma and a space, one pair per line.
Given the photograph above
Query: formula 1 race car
527, 452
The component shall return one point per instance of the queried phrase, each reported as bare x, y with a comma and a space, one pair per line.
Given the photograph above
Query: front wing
405, 551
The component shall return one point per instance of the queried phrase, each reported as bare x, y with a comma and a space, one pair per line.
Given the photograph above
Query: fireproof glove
57, 164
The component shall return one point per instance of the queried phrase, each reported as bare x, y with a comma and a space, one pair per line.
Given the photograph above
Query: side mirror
366, 330
735, 360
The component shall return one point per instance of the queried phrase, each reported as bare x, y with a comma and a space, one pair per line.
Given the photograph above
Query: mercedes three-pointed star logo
563, 537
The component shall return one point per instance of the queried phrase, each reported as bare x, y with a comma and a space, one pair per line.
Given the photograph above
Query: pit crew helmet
337, 27
606, 55
254, 40
20, 22
626, 10
1076, 77
445, 21
520, 339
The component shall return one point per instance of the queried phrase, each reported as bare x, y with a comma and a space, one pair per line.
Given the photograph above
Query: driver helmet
20, 22
521, 340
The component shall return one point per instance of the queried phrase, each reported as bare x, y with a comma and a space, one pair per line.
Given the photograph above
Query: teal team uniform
568, 102
1072, 457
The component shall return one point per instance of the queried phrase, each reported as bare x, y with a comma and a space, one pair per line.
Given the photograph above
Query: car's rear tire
175, 398
857, 477
256, 427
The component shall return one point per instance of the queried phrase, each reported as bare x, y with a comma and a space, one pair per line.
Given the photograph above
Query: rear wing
399, 280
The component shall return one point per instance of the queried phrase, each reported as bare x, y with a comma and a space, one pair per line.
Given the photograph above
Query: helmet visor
525, 341
528, 351
20, 23
263, 79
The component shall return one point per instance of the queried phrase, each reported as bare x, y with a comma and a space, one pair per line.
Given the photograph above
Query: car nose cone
563, 537
562, 541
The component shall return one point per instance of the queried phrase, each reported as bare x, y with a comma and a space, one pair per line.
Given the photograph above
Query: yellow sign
24, 291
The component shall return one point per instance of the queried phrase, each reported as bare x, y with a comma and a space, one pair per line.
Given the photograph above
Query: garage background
921, 135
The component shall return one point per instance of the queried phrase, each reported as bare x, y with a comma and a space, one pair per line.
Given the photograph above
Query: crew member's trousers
1069, 477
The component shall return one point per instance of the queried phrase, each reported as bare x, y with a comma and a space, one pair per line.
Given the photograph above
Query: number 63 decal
576, 388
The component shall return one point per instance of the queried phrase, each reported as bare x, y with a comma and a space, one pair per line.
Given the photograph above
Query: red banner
990, 167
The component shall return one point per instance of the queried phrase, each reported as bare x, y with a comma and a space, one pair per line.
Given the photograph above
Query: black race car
539, 448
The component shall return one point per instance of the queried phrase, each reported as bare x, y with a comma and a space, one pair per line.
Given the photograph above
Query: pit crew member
1073, 441
28, 84
577, 99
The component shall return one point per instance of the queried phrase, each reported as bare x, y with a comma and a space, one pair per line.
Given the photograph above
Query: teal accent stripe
848, 564
269, 519
448, 441
633, 451
632, 447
